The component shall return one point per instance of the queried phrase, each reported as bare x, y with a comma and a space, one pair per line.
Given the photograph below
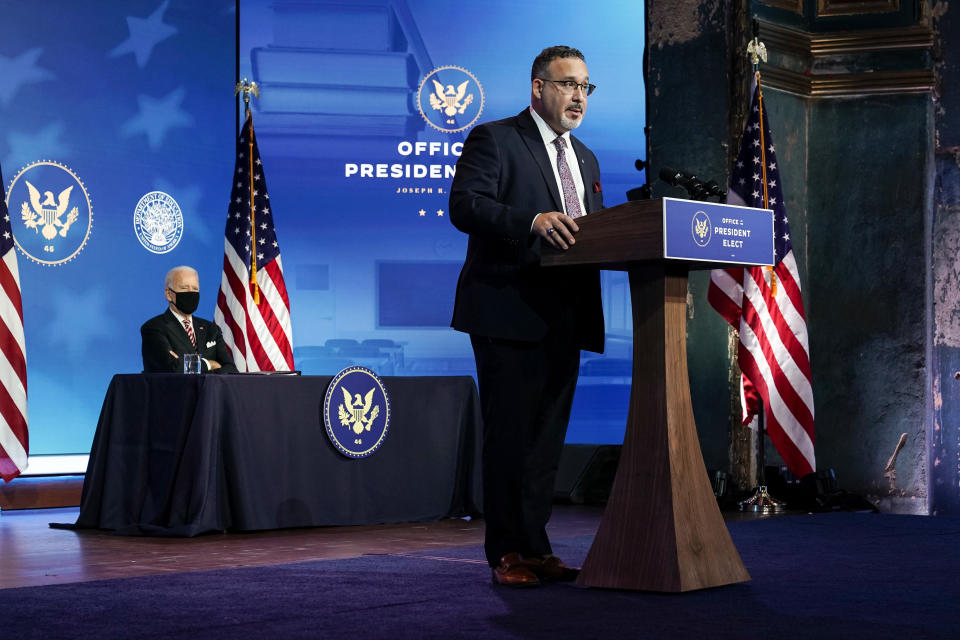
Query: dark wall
688, 89
854, 126
945, 279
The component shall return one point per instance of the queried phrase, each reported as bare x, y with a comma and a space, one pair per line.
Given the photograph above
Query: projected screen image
360, 150
130, 107
113, 101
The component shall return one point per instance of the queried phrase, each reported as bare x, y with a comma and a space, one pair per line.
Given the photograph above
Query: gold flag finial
756, 49
246, 87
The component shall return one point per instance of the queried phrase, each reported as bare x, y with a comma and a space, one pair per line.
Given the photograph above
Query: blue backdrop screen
359, 124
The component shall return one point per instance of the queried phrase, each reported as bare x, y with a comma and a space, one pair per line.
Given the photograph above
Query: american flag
14, 441
765, 305
254, 316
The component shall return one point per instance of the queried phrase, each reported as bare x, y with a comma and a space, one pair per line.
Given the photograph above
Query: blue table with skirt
181, 455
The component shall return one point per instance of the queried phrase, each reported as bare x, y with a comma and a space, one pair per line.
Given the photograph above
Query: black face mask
187, 301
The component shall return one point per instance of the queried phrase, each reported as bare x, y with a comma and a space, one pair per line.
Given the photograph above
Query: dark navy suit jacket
164, 333
503, 180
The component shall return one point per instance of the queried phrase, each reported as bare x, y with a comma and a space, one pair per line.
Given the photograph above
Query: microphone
695, 188
713, 189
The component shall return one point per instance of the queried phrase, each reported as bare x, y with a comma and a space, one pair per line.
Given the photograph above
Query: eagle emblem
701, 228
450, 101
353, 411
44, 216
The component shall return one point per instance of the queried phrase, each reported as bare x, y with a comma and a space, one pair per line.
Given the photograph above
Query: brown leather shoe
512, 572
551, 569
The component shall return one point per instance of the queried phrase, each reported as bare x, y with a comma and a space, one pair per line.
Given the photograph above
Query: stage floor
32, 554
828, 575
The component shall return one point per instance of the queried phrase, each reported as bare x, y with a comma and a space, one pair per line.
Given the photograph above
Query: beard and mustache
569, 123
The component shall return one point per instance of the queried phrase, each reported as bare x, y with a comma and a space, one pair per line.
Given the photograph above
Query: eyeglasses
570, 86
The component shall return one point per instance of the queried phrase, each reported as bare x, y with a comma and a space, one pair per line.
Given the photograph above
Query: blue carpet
837, 575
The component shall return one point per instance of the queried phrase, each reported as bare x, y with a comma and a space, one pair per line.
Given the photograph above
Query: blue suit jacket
503, 180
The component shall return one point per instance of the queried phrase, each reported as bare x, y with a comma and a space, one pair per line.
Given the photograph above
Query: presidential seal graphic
55, 214
158, 222
450, 99
356, 412
700, 228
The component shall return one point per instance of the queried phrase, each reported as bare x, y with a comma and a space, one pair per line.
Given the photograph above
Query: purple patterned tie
570, 198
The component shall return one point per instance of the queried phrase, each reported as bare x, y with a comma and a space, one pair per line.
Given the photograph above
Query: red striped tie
189, 328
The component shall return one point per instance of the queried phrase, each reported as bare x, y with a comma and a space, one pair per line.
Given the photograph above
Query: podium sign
710, 232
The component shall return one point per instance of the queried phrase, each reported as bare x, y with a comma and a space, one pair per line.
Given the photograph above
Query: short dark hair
548, 55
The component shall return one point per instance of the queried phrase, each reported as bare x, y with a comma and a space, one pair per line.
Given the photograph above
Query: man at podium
521, 182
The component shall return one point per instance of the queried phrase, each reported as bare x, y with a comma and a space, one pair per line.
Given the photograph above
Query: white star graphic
274, 244
259, 256
23, 146
74, 326
18, 71
157, 116
145, 34
773, 201
756, 194
261, 240
756, 176
772, 183
786, 236
263, 225
773, 166
756, 160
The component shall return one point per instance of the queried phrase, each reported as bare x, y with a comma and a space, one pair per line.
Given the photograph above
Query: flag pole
246, 88
761, 500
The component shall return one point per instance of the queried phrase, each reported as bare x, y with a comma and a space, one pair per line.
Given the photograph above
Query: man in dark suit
522, 182
166, 337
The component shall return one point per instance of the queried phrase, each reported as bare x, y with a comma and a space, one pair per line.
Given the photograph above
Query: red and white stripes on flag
14, 441
253, 314
765, 305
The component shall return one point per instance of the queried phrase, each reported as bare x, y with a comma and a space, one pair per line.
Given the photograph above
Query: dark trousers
526, 391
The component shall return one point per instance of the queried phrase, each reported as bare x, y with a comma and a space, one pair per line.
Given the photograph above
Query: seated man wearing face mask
177, 331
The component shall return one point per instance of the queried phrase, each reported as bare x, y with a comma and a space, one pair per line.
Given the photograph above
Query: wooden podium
662, 529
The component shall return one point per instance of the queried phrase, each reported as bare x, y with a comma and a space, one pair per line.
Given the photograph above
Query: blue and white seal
450, 99
54, 211
356, 412
158, 222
